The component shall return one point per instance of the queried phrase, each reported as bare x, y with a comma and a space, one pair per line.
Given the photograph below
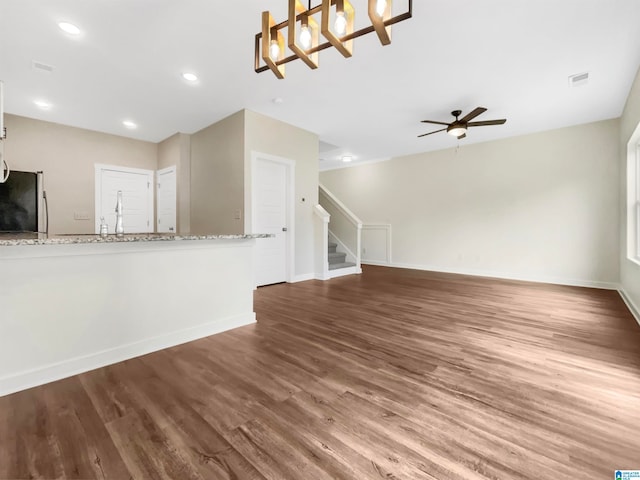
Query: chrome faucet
119, 226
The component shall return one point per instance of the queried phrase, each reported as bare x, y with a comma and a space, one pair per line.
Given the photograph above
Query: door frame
250, 198
173, 169
99, 168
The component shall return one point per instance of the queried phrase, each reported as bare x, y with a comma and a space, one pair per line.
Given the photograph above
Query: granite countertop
15, 239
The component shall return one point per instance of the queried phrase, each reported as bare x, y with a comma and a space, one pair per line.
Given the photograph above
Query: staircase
337, 259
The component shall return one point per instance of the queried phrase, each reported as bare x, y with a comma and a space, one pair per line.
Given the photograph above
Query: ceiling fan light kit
304, 32
458, 128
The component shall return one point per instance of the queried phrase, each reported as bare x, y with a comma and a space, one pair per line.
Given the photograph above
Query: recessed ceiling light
69, 28
190, 77
347, 158
42, 104
278, 100
129, 124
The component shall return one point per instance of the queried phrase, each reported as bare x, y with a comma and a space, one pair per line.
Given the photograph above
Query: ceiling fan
458, 128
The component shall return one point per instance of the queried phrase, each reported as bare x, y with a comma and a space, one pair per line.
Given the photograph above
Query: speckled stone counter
17, 239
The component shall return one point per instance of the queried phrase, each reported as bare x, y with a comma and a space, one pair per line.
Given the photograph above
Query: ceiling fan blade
473, 114
462, 136
487, 122
433, 121
431, 133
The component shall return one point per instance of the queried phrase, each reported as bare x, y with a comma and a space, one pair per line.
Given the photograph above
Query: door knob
284, 229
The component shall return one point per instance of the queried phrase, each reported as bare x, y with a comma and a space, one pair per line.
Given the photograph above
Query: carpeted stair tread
335, 266
337, 257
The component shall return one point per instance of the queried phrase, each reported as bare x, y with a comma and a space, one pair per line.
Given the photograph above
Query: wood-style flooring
392, 374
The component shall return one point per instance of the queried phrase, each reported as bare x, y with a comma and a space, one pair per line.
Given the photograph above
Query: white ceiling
511, 56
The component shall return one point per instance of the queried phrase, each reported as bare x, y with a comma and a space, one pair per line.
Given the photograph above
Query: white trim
291, 205
379, 226
303, 278
633, 308
351, 218
505, 276
632, 249
75, 366
321, 242
342, 272
172, 168
340, 206
321, 213
163, 171
99, 168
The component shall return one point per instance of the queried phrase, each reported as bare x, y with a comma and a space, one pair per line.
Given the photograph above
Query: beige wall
629, 271
221, 176
539, 207
169, 152
273, 137
176, 151
67, 156
217, 177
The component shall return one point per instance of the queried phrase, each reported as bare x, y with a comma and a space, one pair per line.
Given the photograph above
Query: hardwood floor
393, 374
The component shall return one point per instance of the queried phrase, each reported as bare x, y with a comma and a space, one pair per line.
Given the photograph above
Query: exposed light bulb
274, 50
341, 23
305, 37
381, 6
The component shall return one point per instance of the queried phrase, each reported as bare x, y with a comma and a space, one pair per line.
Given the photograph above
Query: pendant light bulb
381, 6
305, 37
341, 23
274, 50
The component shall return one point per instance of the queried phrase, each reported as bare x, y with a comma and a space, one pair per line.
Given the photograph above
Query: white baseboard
322, 276
341, 272
303, 278
633, 308
75, 366
504, 276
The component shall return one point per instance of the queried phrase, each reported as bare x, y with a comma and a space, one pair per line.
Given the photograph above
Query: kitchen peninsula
72, 303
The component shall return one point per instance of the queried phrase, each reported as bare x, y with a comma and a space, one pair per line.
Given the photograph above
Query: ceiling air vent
43, 67
579, 79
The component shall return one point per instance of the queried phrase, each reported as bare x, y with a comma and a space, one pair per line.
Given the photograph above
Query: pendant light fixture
343, 20
272, 45
379, 13
304, 31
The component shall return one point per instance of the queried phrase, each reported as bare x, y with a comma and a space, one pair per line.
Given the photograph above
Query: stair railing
321, 238
345, 226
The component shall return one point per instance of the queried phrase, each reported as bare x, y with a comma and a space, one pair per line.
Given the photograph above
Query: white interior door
137, 198
270, 214
166, 199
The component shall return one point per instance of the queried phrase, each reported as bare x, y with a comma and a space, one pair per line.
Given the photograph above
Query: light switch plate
81, 216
